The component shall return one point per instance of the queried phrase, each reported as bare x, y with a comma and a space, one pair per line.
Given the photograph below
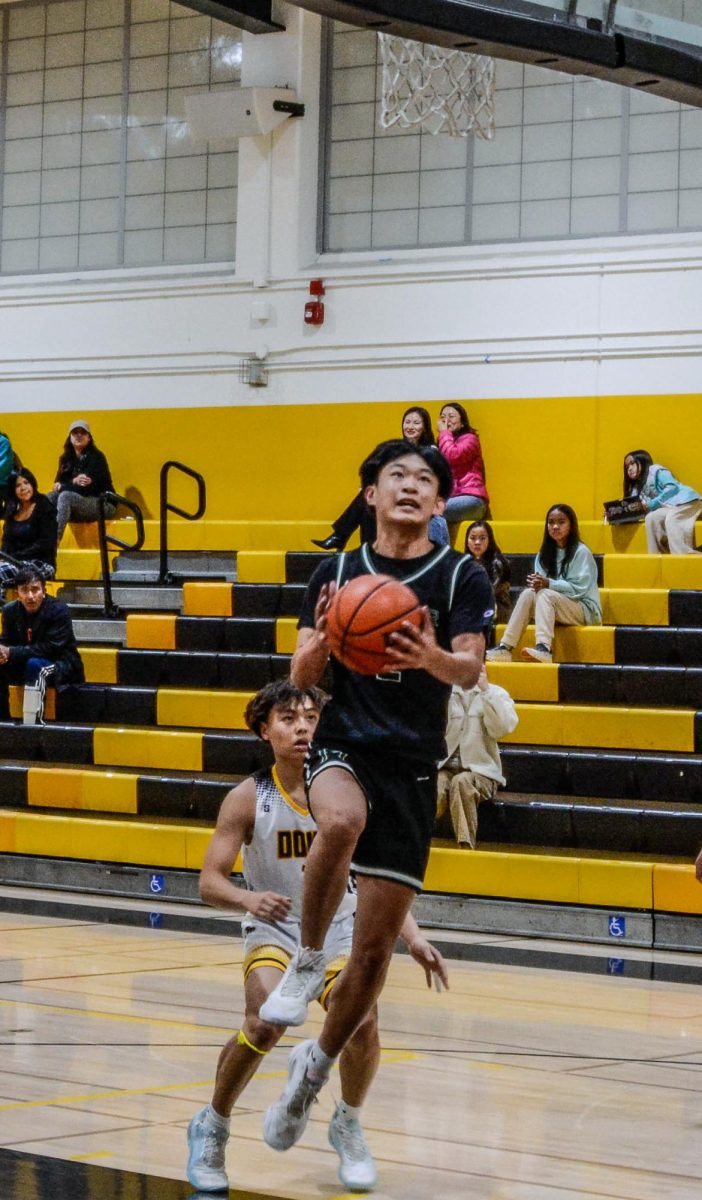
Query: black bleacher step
685, 607
522, 565
200, 669
268, 599
657, 645
253, 634
230, 754
638, 686
301, 564
617, 774
13, 785
50, 743
591, 824
165, 796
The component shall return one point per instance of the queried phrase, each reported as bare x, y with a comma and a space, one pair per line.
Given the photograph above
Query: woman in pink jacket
460, 446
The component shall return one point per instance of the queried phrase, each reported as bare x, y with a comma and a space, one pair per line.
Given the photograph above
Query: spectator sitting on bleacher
8, 461
37, 644
671, 507
481, 545
460, 445
478, 716
82, 476
416, 428
29, 532
562, 590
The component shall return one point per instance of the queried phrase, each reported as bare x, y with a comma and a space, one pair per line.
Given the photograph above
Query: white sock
215, 1119
348, 1112
320, 1063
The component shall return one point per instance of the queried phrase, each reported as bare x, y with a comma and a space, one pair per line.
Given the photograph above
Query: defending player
267, 814
371, 771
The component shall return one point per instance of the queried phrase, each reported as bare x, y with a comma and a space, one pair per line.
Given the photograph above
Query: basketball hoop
441, 90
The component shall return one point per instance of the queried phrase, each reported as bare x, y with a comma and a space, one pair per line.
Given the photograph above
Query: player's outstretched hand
413, 647
321, 608
269, 906
698, 867
431, 960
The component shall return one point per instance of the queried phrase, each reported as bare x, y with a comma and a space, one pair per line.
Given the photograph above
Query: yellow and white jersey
274, 861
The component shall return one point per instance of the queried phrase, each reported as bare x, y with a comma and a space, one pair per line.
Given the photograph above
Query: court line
98, 1015
156, 1089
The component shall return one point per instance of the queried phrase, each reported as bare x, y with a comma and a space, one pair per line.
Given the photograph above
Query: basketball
361, 617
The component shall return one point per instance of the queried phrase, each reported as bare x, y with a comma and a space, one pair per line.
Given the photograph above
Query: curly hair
280, 694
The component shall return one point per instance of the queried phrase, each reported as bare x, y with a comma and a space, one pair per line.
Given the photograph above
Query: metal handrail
164, 575
111, 609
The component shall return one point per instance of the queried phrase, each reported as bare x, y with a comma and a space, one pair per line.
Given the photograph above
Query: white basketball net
441, 90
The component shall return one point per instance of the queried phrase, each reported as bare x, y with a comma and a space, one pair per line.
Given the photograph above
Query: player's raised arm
312, 650
234, 827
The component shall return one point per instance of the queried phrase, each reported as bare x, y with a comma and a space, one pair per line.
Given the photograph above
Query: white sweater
476, 720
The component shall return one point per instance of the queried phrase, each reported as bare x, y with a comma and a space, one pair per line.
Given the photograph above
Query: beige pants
461, 792
672, 528
549, 609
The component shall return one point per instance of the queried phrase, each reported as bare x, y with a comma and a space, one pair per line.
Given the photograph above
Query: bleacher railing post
164, 575
111, 609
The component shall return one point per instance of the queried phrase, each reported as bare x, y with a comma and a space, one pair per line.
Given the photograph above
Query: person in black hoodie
37, 643
82, 476
29, 532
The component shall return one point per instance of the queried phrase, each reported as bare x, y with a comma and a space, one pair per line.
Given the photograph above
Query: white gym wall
611, 314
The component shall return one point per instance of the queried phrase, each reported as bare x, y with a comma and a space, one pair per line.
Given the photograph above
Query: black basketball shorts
401, 798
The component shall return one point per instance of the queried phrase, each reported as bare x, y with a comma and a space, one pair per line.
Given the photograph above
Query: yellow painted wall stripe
260, 566
202, 599
634, 606
574, 644
151, 631
523, 682
541, 877
675, 889
95, 838
80, 564
606, 882
615, 728
97, 791
202, 708
100, 663
286, 635
320, 469
632, 570
116, 747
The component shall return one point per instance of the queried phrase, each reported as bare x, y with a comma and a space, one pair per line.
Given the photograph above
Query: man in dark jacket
37, 644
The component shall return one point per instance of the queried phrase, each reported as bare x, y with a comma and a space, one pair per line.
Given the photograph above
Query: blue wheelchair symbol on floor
156, 920
157, 884
617, 927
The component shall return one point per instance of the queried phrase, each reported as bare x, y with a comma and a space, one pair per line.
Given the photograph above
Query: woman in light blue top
671, 507
561, 591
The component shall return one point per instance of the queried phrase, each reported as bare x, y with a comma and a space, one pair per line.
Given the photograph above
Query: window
99, 168
572, 157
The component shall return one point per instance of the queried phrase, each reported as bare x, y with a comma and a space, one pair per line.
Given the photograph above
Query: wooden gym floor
548, 1072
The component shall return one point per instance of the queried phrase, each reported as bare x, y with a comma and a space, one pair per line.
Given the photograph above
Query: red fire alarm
314, 312
314, 309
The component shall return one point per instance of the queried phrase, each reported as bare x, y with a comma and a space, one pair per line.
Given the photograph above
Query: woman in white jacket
478, 717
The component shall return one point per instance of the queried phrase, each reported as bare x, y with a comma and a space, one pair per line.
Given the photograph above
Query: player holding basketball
267, 815
371, 772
